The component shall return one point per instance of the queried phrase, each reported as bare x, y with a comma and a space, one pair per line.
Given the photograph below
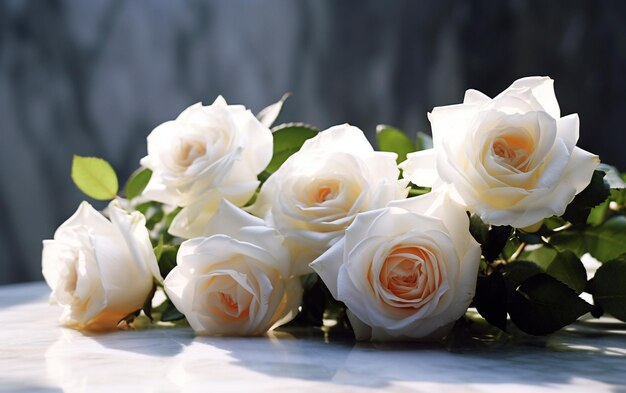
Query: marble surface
36, 355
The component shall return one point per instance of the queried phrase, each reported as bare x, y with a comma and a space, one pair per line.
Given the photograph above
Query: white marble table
36, 355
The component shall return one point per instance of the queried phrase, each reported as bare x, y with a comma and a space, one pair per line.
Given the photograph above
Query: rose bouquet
245, 227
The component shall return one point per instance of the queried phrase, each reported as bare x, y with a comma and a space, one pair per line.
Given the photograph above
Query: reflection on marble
38, 355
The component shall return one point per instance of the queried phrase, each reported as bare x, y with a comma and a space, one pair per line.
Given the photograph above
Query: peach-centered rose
206, 154
318, 191
512, 159
99, 270
236, 280
406, 271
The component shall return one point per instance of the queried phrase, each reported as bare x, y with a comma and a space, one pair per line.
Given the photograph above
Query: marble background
94, 77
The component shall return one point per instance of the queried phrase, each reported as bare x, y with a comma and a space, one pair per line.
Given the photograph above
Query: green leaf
167, 258
393, 140
492, 238
137, 182
515, 273
269, 114
288, 139
568, 269
147, 304
613, 178
541, 255
417, 191
158, 249
490, 299
596, 192
95, 177
542, 305
478, 229
609, 288
619, 195
423, 141
598, 213
171, 313
313, 304
604, 242
497, 239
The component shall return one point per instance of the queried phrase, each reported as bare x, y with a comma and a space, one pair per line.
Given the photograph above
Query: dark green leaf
567, 268
530, 238
167, 258
596, 192
497, 239
515, 273
147, 304
313, 305
171, 313
619, 195
490, 299
511, 248
95, 177
541, 255
478, 229
393, 140
309, 280
542, 305
288, 139
609, 288
137, 182
604, 242
154, 218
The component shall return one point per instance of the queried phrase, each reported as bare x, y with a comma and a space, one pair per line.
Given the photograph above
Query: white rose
206, 154
512, 160
405, 271
318, 191
99, 270
236, 281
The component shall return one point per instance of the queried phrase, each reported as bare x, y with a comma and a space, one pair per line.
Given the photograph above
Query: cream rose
318, 191
236, 281
406, 271
206, 154
512, 160
99, 270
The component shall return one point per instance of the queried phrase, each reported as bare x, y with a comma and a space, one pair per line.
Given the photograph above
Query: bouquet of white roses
247, 227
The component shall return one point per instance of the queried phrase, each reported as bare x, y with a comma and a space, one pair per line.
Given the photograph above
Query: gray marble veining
38, 355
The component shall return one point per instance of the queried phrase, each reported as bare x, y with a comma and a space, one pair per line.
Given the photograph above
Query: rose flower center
189, 151
228, 301
410, 273
226, 298
321, 193
512, 150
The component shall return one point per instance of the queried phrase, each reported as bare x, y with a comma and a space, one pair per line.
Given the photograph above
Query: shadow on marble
161, 341
543, 362
19, 387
